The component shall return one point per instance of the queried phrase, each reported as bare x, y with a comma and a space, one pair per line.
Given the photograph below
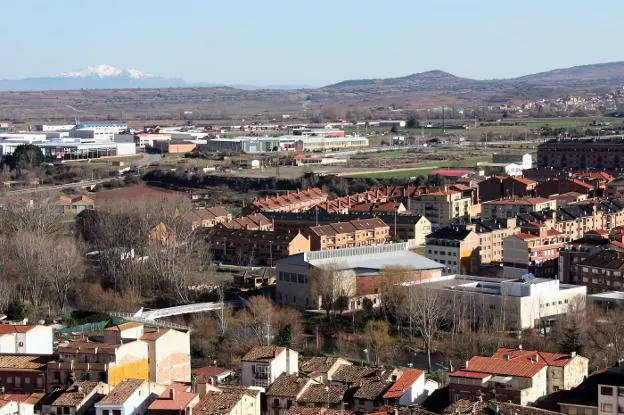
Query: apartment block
359, 232
253, 222
442, 207
499, 187
508, 208
576, 251
602, 272
533, 250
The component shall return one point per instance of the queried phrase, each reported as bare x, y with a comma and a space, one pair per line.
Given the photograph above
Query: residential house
508, 208
602, 393
322, 369
500, 187
19, 404
598, 179
173, 401
130, 397
320, 395
23, 373
360, 269
212, 374
291, 202
74, 204
533, 250
409, 389
253, 222
169, 355
442, 207
359, 232
285, 391
244, 247
386, 208
517, 376
402, 227
76, 399
97, 361
370, 395
207, 217
263, 364
25, 339
230, 401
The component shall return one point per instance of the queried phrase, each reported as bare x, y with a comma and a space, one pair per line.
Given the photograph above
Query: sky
307, 42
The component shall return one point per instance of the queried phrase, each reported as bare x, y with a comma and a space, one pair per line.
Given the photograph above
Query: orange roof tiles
173, 400
15, 328
551, 359
513, 367
406, 380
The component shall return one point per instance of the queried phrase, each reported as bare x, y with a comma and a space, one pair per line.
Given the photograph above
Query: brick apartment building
245, 247
533, 250
442, 207
560, 186
576, 251
602, 272
511, 207
498, 187
359, 232
581, 154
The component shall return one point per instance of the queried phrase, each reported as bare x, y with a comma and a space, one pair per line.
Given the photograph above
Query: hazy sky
312, 42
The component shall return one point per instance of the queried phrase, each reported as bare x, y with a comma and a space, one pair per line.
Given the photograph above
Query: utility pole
443, 129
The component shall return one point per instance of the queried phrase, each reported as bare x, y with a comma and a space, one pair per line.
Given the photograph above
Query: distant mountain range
442, 84
109, 77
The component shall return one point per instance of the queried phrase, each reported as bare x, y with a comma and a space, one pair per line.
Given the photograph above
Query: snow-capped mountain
106, 71
93, 77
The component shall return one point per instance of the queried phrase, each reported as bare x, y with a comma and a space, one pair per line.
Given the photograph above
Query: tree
328, 284
571, 341
26, 156
412, 123
379, 343
394, 129
17, 310
285, 336
65, 269
426, 310
367, 306
436, 180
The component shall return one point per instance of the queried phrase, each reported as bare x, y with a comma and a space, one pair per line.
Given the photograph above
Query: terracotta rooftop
322, 394
351, 374
221, 403
497, 366
75, 394
124, 390
404, 382
371, 390
176, 401
15, 328
469, 374
25, 362
317, 364
551, 359
263, 353
288, 386
210, 371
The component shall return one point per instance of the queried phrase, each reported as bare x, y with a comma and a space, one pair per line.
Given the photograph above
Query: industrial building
284, 143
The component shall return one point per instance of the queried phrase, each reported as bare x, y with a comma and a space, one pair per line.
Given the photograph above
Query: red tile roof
176, 401
551, 359
14, 328
523, 180
210, 371
468, 374
406, 380
514, 367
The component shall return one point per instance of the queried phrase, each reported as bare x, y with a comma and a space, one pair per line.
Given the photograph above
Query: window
606, 390
20, 344
26, 380
116, 411
105, 412
66, 410
59, 410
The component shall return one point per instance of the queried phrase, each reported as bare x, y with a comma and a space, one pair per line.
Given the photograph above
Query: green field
423, 169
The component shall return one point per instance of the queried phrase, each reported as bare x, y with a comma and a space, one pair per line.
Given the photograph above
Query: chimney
467, 362
171, 393
535, 358
506, 357
573, 354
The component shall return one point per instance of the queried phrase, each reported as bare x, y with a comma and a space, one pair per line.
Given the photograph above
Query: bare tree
331, 284
37, 215
426, 308
258, 318
65, 268
30, 251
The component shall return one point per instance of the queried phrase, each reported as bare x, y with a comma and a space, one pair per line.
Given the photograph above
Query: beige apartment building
443, 206
463, 248
508, 208
359, 232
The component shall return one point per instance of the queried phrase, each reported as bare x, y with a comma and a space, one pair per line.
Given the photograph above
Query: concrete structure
442, 207
510, 303
46, 128
169, 355
533, 250
508, 208
25, 339
519, 376
356, 272
71, 148
99, 131
581, 154
359, 232
262, 365
284, 143
130, 397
